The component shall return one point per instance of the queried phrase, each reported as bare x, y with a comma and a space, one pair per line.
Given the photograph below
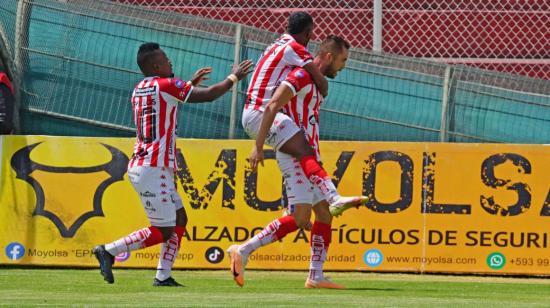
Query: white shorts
157, 191
298, 188
281, 131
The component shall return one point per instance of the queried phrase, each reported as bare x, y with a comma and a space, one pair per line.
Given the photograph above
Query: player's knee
298, 147
301, 222
166, 233
304, 152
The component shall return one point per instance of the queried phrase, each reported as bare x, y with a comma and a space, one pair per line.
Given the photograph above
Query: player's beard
330, 72
171, 75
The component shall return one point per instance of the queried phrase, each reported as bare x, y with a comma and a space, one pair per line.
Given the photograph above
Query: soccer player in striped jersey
152, 166
300, 98
284, 55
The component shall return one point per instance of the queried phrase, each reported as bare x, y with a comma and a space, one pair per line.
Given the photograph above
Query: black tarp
6, 109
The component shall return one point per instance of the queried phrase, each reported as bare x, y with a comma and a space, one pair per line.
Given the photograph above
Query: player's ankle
333, 198
242, 251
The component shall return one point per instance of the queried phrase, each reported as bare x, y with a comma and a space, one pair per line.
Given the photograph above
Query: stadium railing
505, 35
76, 61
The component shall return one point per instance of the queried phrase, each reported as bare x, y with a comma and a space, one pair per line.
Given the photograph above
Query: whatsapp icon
496, 260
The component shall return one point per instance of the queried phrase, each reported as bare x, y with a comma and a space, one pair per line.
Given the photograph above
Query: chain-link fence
503, 35
76, 62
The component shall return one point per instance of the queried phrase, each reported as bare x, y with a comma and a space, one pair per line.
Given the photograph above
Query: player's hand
256, 158
308, 226
200, 75
244, 68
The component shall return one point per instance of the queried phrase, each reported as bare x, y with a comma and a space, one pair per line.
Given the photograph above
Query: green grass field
132, 288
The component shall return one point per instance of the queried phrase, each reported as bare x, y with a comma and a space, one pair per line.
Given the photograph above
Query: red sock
276, 230
313, 170
169, 253
320, 240
288, 225
319, 177
139, 239
324, 231
154, 238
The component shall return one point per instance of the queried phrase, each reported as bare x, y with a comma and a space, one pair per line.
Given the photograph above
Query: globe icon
373, 257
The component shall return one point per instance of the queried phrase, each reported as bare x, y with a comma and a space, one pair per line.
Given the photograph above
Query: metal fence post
377, 26
235, 90
445, 103
21, 42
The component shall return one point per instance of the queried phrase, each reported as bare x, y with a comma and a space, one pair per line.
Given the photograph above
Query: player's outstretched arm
214, 91
318, 78
282, 96
200, 75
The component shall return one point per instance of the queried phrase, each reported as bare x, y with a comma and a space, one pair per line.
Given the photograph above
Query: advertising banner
433, 207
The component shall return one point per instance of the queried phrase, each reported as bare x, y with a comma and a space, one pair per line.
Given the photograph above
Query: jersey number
147, 130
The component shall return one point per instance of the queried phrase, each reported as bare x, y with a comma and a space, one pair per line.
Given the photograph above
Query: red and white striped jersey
276, 62
305, 105
155, 101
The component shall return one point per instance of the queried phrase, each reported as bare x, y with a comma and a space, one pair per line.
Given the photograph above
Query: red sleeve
5, 80
298, 79
176, 87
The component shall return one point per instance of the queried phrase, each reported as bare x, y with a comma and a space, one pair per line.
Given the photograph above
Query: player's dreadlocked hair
298, 22
145, 54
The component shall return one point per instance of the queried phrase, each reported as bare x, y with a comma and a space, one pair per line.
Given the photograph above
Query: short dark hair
334, 44
298, 22
146, 54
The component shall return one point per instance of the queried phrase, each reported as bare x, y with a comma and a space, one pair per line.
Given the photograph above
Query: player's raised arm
200, 75
282, 96
199, 95
297, 55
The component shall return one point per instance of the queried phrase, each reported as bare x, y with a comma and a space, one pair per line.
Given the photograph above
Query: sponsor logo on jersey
147, 194
147, 91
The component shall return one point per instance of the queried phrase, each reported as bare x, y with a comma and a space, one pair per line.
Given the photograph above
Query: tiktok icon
214, 255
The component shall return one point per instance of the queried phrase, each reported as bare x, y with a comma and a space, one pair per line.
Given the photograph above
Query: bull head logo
25, 167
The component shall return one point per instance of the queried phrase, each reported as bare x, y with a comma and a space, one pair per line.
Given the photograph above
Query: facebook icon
15, 251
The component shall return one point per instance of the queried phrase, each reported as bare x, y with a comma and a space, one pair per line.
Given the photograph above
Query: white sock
128, 243
263, 238
318, 257
168, 254
327, 188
